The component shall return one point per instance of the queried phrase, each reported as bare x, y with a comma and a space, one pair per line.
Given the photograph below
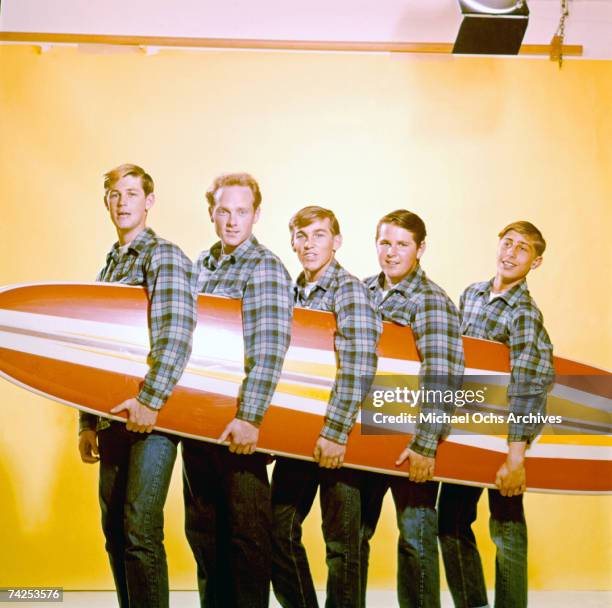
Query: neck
499, 285
127, 237
227, 249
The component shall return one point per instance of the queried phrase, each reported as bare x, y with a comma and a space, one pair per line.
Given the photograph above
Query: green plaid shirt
419, 303
165, 271
514, 319
356, 338
256, 276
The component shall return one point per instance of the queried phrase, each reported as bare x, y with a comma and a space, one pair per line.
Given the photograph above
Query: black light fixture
491, 27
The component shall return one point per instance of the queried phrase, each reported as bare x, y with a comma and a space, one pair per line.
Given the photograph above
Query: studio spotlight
491, 27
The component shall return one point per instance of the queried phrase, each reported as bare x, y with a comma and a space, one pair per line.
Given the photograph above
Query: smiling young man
502, 310
403, 294
325, 285
226, 492
136, 463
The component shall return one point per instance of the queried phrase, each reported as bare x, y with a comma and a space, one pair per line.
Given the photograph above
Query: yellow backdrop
469, 144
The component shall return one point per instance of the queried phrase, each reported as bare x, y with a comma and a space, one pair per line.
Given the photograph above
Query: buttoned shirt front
418, 303
355, 341
165, 272
256, 276
513, 318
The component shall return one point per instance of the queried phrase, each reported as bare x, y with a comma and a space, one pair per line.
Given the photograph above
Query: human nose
391, 251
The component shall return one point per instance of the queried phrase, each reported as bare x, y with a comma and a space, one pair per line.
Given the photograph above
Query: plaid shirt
165, 271
514, 319
357, 334
256, 276
419, 303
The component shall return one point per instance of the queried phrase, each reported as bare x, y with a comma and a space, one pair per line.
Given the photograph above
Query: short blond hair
233, 179
530, 231
114, 175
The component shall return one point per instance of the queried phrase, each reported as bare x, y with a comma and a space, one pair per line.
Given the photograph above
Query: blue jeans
294, 486
135, 471
418, 572
227, 523
457, 512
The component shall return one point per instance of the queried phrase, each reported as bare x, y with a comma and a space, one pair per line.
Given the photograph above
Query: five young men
244, 536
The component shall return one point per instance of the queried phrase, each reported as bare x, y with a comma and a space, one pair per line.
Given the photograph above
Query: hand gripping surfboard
85, 346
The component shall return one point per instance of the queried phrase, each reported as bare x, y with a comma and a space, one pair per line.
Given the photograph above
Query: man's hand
329, 454
141, 419
242, 435
511, 478
421, 467
88, 446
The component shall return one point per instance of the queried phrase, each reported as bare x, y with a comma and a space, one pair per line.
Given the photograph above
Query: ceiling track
443, 48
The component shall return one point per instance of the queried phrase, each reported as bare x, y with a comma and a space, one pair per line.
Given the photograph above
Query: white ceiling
589, 24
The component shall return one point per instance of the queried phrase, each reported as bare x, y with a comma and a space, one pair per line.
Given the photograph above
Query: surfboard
85, 346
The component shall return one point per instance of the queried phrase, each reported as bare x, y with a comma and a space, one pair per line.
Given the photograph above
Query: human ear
149, 201
337, 242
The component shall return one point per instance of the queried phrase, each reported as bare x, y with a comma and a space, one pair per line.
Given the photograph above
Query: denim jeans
418, 571
294, 486
135, 471
227, 523
457, 512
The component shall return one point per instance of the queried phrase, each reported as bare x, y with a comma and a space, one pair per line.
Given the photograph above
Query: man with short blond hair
325, 285
226, 492
501, 310
135, 461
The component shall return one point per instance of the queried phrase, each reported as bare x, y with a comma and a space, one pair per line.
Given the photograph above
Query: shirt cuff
151, 398
425, 444
334, 432
87, 422
519, 434
252, 416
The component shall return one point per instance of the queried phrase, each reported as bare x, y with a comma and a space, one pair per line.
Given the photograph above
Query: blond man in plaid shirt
226, 491
135, 461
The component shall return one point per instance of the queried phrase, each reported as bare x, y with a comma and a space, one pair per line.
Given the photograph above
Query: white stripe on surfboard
124, 362
53, 348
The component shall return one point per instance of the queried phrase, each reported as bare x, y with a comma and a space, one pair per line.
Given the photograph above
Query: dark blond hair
408, 221
114, 175
233, 179
530, 231
306, 216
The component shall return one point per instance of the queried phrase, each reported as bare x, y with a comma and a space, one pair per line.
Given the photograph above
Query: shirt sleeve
438, 339
358, 330
87, 421
172, 318
531, 374
267, 309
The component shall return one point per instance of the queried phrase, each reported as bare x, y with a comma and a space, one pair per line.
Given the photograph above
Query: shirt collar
513, 296
142, 240
406, 286
325, 281
243, 251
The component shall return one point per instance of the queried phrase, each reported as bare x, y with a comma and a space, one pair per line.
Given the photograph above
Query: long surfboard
85, 345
